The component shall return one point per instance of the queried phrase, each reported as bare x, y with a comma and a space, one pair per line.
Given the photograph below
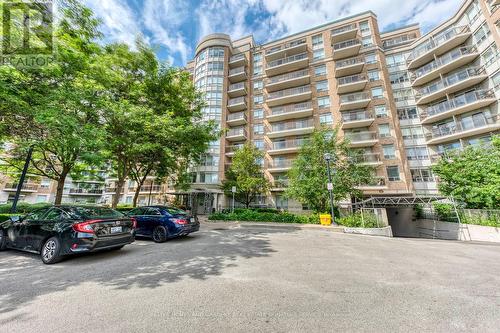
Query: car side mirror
15, 218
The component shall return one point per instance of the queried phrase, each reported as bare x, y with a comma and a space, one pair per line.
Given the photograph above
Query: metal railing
235, 101
288, 76
24, 187
456, 102
368, 158
297, 143
354, 97
457, 127
233, 148
361, 136
236, 132
283, 61
236, 116
85, 191
449, 80
443, 60
281, 183
289, 92
434, 42
349, 62
281, 164
236, 86
375, 181
343, 29
348, 43
237, 70
286, 46
351, 79
291, 108
355, 116
292, 125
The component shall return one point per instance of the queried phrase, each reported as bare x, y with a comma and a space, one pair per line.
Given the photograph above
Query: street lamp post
21, 180
328, 158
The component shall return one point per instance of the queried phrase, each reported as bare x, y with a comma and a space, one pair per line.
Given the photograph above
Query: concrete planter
385, 232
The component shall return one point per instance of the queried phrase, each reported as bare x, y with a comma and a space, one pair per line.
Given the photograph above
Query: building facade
401, 98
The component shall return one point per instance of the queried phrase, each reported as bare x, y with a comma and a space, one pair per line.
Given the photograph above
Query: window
320, 70
389, 152
393, 173
496, 80
472, 12
258, 99
36, 215
257, 58
258, 85
399, 77
380, 111
384, 130
209, 177
395, 59
41, 198
259, 144
490, 55
257, 70
417, 153
374, 75
258, 114
371, 58
317, 42
412, 132
318, 54
407, 113
364, 27
421, 175
367, 41
323, 102
322, 85
258, 129
401, 95
326, 119
377, 92
481, 34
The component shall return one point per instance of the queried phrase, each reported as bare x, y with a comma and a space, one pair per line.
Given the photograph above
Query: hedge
22, 208
367, 220
259, 216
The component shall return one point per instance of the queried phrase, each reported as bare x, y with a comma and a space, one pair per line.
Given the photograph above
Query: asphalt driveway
231, 278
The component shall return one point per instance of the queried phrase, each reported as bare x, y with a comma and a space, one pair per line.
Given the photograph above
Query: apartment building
403, 99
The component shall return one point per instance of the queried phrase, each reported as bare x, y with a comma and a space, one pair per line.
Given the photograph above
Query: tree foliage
246, 175
308, 177
472, 175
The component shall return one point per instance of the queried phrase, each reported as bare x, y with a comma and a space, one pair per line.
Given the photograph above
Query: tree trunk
60, 187
119, 187
140, 182
136, 196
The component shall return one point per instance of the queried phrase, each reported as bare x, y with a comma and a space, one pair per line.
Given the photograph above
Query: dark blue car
161, 222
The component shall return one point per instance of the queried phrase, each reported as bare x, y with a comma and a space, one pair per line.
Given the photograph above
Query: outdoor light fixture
328, 158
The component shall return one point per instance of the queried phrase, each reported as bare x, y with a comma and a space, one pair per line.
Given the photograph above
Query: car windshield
175, 211
92, 212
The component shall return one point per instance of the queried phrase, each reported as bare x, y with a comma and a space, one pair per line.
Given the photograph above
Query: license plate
192, 220
115, 230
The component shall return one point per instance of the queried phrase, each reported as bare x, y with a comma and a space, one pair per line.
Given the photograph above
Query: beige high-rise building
401, 98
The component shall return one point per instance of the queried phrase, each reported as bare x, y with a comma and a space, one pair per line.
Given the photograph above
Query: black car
57, 231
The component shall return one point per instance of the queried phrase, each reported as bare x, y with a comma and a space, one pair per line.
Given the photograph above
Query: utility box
325, 219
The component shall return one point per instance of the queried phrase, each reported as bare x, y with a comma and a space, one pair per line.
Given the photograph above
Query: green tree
53, 108
308, 177
472, 175
246, 175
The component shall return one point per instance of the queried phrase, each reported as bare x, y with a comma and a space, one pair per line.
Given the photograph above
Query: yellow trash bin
325, 219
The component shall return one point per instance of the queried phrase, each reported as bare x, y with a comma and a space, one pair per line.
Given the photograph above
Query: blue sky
173, 27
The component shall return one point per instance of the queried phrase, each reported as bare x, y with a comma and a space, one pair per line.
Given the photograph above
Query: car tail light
180, 221
85, 226
134, 222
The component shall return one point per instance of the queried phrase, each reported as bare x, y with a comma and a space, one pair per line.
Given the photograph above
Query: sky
173, 27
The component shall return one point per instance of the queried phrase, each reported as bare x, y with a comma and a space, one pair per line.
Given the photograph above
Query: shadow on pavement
144, 264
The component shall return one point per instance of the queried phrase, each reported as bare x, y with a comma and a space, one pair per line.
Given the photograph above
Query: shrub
263, 216
445, 211
367, 220
488, 218
22, 207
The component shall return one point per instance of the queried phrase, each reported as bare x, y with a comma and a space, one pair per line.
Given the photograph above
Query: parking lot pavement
229, 278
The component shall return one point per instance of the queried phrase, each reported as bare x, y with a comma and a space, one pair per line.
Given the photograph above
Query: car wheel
159, 234
50, 251
3, 240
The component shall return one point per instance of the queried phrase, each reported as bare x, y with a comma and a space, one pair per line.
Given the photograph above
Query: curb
282, 225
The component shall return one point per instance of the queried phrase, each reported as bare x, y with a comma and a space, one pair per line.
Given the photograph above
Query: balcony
437, 46
236, 119
237, 104
474, 125
26, 187
291, 111
346, 49
344, 33
288, 146
237, 89
236, 134
354, 101
111, 190
357, 119
280, 184
352, 83
377, 183
361, 139
230, 150
298, 127
288, 49
463, 79
288, 80
237, 60
147, 188
372, 159
349, 66
287, 64
86, 191
445, 64
237, 74
467, 102
280, 165
291, 95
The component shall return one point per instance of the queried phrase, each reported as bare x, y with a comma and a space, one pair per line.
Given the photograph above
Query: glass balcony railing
289, 144
236, 132
456, 102
237, 70
232, 149
368, 158
351, 79
292, 125
355, 116
441, 61
355, 97
236, 86
236, 101
437, 41
281, 164
237, 57
375, 181
361, 136
346, 44
291, 108
349, 62
343, 29
286, 60
286, 46
236, 116
281, 183
465, 124
288, 76
450, 80
289, 92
